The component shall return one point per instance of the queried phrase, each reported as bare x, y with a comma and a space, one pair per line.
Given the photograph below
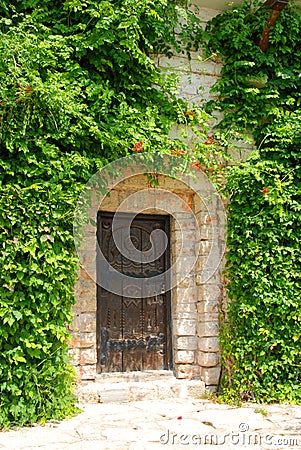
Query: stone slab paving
165, 424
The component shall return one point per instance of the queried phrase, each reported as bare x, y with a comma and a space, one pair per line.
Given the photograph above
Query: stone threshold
137, 386
127, 377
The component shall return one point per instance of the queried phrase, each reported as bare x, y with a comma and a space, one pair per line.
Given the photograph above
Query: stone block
185, 327
187, 371
187, 343
195, 388
169, 184
167, 201
185, 199
85, 295
207, 67
130, 180
207, 219
184, 282
208, 344
217, 250
88, 322
197, 84
211, 293
189, 235
168, 390
208, 359
86, 301
242, 153
208, 329
184, 247
88, 356
138, 393
74, 340
141, 200
182, 216
187, 308
185, 264
89, 270
88, 258
209, 317
210, 375
88, 340
207, 308
210, 275
184, 357
111, 202
186, 226
200, 210
86, 393
84, 282
75, 325
182, 315
88, 372
119, 393
185, 295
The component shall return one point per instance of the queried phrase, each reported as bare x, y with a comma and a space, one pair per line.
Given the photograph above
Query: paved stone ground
158, 424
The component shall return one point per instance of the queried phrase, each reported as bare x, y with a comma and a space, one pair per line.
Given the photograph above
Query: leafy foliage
255, 86
260, 93
78, 89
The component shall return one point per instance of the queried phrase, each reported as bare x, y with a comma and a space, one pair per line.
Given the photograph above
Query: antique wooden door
133, 334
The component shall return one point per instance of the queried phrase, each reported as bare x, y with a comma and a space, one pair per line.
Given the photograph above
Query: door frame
168, 357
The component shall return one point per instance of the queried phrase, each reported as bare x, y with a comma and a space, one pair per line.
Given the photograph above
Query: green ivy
78, 89
259, 93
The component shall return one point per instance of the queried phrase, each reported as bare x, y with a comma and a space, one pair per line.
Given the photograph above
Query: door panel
133, 334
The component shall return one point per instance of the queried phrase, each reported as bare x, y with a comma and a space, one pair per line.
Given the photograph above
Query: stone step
163, 387
128, 377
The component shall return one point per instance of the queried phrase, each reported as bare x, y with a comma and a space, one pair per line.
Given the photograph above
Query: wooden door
133, 334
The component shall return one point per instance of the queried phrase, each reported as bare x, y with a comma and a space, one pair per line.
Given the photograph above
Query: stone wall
194, 302
199, 74
198, 77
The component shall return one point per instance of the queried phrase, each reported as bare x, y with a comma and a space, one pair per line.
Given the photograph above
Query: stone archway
195, 300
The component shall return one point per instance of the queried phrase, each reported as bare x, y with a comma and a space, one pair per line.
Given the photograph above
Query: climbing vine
78, 89
259, 94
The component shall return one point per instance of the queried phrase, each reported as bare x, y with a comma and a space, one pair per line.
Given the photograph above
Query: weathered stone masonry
194, 304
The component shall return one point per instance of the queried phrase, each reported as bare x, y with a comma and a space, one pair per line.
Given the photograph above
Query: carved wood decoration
133, 334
